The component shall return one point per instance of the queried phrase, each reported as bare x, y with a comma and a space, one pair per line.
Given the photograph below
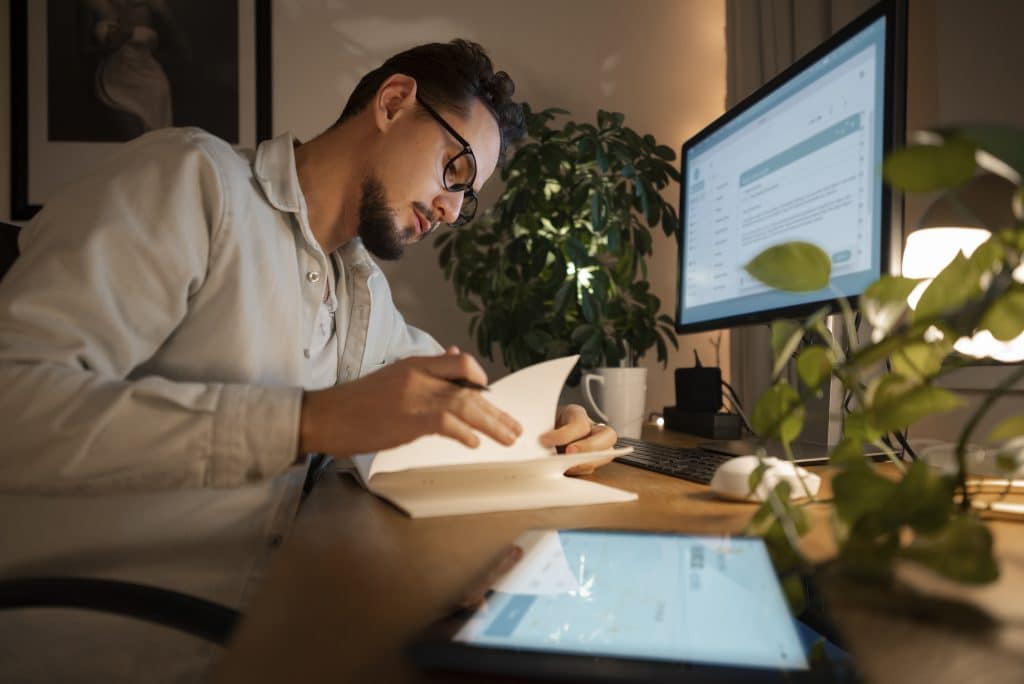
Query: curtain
763, 37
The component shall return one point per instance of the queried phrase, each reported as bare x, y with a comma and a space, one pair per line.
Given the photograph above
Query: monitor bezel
894, 130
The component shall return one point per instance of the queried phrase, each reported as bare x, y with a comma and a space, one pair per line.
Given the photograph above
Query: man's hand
577, 433
408, 399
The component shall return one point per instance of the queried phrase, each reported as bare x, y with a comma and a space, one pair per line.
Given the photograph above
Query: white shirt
155, 338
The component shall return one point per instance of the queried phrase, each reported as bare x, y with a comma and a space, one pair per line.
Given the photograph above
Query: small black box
703, 424
699, 389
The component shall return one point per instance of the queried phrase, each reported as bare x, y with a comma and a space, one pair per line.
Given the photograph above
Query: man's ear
396, 95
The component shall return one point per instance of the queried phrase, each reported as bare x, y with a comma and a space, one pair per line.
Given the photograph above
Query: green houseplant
921, 515
558, 264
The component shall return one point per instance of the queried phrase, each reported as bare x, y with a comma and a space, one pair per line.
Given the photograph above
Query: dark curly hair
449, 75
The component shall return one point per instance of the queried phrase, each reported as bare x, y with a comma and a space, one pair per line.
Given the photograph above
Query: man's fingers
565, 434
450, 425
453, 367
470, 407
574, 424
588, 468
601, 437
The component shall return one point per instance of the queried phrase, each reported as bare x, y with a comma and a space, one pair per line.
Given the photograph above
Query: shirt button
313, 276
305, 352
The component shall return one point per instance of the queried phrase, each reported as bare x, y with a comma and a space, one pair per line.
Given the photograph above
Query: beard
380, 234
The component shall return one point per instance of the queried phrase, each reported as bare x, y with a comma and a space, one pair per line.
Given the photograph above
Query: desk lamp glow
950, 226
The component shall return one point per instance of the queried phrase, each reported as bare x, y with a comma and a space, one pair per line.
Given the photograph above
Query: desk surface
357, 579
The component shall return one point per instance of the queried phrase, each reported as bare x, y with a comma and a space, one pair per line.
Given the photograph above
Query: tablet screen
664, 597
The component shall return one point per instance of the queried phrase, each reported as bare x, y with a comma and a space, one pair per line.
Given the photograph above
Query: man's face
403, 198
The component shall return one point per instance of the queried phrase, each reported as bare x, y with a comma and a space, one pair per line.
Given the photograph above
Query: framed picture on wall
89, 75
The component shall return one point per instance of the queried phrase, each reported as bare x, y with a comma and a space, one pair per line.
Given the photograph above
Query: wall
661, 62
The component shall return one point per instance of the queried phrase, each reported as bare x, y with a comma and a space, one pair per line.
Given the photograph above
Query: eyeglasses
459, 173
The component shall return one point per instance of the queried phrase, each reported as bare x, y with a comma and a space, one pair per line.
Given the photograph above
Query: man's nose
447, 206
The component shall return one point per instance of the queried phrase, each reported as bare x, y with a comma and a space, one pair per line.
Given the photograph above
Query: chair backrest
8, 246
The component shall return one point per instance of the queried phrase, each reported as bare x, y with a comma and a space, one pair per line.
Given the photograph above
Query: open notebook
435, 475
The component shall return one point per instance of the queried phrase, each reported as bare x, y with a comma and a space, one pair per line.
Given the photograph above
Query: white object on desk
732, 479
621, 400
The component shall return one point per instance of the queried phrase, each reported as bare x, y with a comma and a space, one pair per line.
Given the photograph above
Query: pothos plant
921, 515
558, 264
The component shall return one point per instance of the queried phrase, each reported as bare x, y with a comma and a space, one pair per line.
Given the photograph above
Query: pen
469, 384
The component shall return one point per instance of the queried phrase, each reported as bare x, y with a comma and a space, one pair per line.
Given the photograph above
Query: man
190, 319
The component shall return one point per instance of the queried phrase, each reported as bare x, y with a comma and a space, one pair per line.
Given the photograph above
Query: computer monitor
800, 159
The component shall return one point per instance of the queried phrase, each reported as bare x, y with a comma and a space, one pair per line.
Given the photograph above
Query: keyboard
689, 463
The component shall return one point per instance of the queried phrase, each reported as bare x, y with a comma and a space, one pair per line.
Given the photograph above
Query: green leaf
898, 402
596, 216
814, 366
589, 307
1008, 429
857, 491
786, 336
576, 252
591, 350
537, 340
665, 152
920, 360
858, 428
581, 334
755, 477
1005, 318
849, 452
885, 300
870, 549
891, 288
926, 168
961, 551
793, 266
602, 160
988, 256
669, 221
783, 333
923, 499
779, 413
956, 284
562, 295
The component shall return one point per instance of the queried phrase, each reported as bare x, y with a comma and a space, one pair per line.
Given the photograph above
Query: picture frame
87, 76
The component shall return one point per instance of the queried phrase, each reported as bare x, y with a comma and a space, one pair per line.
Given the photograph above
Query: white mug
621, 399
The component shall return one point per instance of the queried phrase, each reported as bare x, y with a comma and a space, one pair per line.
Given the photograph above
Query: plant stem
965, 435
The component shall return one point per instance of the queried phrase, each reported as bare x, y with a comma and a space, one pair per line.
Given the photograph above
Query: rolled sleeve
255, 434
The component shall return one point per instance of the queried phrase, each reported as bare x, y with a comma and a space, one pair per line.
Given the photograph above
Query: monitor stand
823, 422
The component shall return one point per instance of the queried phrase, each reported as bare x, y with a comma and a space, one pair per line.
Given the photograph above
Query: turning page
529, 395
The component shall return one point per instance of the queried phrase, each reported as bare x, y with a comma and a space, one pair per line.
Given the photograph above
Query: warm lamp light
953, 225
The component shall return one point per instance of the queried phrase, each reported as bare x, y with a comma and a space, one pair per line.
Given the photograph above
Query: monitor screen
800, 160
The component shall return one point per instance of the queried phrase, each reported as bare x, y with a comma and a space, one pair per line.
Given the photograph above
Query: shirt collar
274, 168
354, 255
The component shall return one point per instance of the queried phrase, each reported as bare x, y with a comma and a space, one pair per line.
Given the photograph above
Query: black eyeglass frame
467, 209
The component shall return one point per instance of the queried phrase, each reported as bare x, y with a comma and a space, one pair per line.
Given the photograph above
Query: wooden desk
356, 580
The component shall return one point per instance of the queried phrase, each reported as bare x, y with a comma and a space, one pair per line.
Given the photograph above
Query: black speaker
699, 389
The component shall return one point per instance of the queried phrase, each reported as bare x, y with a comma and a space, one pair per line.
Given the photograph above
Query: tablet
618, 606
